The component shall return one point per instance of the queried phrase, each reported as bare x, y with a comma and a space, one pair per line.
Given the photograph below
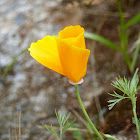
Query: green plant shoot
63, 123
129, 89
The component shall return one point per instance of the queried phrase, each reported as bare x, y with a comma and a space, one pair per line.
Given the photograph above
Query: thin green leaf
116, 95
123, 85
114, 103
135, 55
134, 83
54, 131
102, 40
121, 13
47, 127
63, 119
51, 129
120, 88
68, 125
124, 36
133, 21
9, 67
58, 115
66, 118
72, 122
110, 106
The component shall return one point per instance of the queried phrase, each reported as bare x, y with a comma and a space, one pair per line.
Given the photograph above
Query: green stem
124, 46
61, 131
86, 115
109, 137
135, 116
124, 37
60, 137
89, 121
127, 59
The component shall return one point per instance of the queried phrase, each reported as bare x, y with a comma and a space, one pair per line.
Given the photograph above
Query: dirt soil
37, 91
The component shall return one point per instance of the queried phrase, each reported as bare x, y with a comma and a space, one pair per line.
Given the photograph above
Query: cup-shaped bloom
66, 55
73, 35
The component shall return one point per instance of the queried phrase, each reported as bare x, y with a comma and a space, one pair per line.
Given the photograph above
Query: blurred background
32, 89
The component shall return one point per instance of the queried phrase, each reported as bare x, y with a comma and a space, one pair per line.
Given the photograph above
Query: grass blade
102, 40
8, 68
133, 21
135, 55
120, 13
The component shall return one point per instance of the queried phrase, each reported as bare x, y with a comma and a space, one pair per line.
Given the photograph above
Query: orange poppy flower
66, 55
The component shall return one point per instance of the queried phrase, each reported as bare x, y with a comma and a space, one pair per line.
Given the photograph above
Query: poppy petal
73, 35
73, 60
45, 52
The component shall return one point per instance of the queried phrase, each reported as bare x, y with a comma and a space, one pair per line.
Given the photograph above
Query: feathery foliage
63, 123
